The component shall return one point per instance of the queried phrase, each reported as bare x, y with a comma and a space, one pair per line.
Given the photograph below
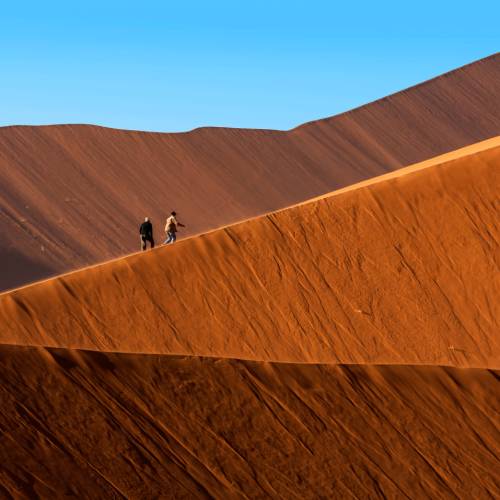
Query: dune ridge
346, 346
403, 271
451, 155
198, 428
73, 195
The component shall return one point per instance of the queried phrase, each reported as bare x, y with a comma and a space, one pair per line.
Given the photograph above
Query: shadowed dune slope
73, 195
403, 270
194, 427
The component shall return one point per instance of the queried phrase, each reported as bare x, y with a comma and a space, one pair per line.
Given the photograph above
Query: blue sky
174, 66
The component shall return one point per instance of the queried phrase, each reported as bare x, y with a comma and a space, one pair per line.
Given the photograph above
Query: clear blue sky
173, 66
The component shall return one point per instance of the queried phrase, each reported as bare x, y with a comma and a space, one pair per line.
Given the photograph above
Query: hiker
171, 228
146, 233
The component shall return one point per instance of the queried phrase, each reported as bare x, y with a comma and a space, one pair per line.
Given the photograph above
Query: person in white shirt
171, 229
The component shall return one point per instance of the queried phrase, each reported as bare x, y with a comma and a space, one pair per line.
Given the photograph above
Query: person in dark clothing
146, 233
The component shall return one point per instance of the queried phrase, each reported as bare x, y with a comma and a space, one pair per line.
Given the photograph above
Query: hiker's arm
181, 224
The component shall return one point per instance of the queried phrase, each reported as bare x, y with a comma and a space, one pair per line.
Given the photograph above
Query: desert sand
74, 195
343, 347
96, 425
402, 269
327, 328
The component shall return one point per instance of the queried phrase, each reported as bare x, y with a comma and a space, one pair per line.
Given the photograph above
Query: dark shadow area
16, 269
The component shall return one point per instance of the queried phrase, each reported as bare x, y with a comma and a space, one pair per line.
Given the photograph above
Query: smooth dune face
74, 195
401, 271
95, 425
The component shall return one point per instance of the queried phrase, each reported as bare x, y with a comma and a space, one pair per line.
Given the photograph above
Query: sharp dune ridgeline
403, 270
340, 341
73, 195
343, 306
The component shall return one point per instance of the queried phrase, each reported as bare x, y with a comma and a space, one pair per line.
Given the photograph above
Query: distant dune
73, 195
95, 425
402, 270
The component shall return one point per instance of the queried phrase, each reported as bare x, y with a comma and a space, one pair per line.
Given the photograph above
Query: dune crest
73, 195
403, 271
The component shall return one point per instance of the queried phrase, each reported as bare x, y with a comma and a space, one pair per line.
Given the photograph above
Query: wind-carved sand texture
401, 270
95, 425
73, 195
353, 288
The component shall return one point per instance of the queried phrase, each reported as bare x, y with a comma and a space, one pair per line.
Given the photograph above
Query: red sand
94, 425
74, 195
403, 271
343, 306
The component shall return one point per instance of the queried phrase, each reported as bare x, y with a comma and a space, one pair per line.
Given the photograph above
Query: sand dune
88, 424
379, 280
73, 195
401, 271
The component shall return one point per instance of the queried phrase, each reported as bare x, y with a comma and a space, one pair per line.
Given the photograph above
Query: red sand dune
94, 425
401, 270
74, 195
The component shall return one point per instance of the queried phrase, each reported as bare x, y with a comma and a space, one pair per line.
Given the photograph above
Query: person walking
171, 229
146, 234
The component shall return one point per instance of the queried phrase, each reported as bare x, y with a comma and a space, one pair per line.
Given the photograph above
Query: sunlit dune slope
404, 270
88, 424
74, 195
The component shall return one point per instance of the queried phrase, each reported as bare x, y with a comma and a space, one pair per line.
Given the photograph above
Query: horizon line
263, 129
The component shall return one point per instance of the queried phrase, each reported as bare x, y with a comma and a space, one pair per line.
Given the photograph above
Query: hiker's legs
152, 242
143, 244
172, 237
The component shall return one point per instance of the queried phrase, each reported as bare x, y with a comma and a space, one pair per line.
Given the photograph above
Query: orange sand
400, 271
74, 195
122, 380
95, 425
